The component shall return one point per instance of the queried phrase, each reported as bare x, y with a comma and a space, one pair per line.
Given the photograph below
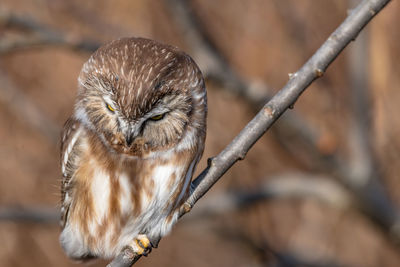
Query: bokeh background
321, 188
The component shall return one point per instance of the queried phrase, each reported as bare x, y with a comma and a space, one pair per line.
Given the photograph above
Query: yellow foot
141, 245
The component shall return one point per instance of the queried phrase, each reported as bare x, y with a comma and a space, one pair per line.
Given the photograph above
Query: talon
147, 252
142, 245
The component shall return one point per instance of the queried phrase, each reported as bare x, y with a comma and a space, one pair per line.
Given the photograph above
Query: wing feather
71, 136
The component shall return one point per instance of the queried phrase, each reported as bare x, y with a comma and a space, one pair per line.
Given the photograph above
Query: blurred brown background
321, 188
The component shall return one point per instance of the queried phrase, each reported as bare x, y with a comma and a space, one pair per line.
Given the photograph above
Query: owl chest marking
128, 195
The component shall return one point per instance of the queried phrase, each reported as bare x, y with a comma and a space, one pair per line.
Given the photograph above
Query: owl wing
71, 136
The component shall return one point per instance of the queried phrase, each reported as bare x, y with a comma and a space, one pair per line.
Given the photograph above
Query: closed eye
157, 117
110, 108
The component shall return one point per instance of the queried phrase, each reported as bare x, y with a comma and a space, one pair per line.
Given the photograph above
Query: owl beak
129, 139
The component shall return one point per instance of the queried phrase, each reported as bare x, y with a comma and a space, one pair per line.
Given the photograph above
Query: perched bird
130, 148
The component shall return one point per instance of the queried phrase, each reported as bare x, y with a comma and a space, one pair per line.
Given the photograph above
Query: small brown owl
130, 148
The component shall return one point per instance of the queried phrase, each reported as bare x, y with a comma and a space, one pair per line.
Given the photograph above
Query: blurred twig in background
282, 186
20, 104
212, 62
30, 215
364, 175
265, 251
39, 35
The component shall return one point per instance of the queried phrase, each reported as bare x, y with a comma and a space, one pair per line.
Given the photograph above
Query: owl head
141, 96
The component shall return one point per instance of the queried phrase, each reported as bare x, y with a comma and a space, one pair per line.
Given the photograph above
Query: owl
130, 148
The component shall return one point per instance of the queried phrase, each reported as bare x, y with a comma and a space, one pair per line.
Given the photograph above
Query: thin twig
313, 69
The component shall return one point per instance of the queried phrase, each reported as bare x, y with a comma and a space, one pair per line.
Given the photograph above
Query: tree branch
313, 69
